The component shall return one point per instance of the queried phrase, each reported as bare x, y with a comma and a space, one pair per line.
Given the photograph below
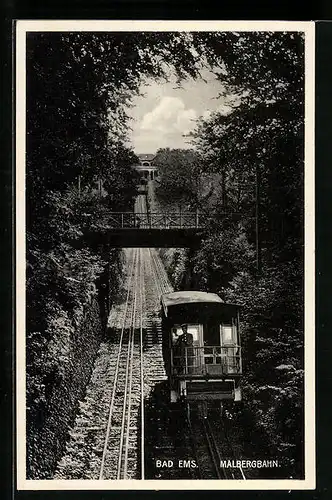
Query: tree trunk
257, 219
223, 189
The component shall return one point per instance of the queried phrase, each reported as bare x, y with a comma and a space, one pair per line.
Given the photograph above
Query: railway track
141, 204
205, 446
123, 451
129, 393
160, 277
167, 440
155, 274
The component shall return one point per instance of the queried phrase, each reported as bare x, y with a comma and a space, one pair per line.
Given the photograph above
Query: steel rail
128, 379
142, 289
210, 445
126, 412
158, 274
153, 272
167, 287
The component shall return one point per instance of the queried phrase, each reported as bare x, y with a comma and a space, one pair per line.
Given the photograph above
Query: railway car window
227, 334
193, 329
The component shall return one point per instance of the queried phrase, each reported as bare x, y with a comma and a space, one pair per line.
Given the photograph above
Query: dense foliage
179, 175
252, 165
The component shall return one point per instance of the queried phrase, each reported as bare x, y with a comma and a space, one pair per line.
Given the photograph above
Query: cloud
169, 116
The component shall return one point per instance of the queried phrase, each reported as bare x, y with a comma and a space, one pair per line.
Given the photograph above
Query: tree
179, 171
264, 134
120, 179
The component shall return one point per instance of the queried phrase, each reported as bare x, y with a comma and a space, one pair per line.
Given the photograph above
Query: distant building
146, 167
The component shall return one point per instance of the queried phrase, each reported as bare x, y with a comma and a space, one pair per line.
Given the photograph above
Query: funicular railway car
143, 186
201, 347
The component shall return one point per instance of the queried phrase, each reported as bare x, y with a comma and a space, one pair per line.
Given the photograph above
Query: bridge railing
154, 220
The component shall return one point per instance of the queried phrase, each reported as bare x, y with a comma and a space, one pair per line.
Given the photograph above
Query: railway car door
193, 359
211, 347
229, 346
198, 352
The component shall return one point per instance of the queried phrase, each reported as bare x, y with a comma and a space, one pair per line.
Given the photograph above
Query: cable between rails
213, 449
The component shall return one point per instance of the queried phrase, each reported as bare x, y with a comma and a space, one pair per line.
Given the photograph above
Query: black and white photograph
165, 255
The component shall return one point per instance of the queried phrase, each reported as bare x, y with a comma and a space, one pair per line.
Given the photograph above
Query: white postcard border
24, 26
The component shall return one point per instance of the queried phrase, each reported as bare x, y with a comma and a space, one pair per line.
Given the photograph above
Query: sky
166, 111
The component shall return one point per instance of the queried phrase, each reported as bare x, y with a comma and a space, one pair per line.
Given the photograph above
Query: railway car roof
190, 296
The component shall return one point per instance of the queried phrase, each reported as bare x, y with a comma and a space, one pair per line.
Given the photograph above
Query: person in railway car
183, 349
189, 342
176, 350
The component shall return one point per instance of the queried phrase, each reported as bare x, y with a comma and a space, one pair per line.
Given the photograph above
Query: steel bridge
154, 220
148, 229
